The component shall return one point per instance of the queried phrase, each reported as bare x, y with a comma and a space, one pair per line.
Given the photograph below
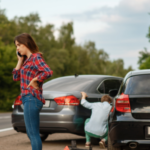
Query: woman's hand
34, 84
84, 95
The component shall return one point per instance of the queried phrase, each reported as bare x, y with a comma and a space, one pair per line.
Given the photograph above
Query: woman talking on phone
31, 70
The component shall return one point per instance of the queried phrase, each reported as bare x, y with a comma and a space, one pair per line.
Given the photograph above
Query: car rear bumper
122, 133
125, 142
55, 127
52, 123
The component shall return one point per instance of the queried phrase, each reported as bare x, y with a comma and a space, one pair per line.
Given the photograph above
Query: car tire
110, 146
43, 137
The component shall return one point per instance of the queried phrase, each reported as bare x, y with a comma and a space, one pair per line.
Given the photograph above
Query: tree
145, 64
98, 58
143, 56
62, 54
66, 39
144, 59
116, 68
8, 88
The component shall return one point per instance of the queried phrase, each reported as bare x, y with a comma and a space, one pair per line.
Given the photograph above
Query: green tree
66, 39
7, 28
143, 56
145, 64
98, 58
144, 59
8, 88
62, 54
116, 68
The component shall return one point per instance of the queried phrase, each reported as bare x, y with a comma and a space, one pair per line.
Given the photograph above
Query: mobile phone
19, 54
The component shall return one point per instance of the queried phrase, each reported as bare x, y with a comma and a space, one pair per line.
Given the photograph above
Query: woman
31, 71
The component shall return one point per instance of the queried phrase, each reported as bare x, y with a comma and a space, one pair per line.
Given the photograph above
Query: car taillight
123, 103
18, 101
67, 100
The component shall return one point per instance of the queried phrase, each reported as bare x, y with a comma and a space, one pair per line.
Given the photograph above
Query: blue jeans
32, 107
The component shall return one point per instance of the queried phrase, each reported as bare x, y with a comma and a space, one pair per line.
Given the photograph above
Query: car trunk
51, 105
137, 87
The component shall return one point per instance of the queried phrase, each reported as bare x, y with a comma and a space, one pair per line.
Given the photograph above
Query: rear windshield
138, 85
67, 84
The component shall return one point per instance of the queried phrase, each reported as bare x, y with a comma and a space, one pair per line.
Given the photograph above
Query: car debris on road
74, 146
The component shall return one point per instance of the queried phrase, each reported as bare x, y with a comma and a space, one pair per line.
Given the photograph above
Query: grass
5, 111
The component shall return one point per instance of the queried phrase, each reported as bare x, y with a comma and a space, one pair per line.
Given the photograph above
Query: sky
117, 26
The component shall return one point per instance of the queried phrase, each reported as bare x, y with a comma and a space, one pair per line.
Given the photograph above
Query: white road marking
7, 129
6, 117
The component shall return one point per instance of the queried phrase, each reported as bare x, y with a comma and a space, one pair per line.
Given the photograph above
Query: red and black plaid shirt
33, 67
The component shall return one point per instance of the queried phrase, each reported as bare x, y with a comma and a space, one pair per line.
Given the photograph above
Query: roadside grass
5, 111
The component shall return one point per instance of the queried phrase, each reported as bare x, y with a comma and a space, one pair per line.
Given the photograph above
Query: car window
137, 85
108, 85
68, 84
102, 88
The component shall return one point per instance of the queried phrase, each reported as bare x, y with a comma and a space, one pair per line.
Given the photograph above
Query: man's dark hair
106, 98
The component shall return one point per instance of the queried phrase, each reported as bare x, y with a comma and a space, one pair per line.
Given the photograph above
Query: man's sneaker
102, 144
87, 145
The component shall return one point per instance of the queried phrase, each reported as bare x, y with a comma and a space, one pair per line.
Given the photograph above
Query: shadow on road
63, 141
56, 141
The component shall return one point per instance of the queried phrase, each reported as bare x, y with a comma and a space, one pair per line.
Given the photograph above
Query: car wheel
43, 137
110, 146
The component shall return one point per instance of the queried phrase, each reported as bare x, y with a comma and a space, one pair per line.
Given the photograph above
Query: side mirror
113, 92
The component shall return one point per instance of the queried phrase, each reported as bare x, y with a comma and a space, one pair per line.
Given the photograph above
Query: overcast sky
117, 26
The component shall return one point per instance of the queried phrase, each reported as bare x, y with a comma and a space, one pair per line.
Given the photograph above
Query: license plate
47, 104
147, 133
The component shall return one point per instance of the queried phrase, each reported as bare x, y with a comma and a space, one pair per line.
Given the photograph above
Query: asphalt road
5, 120
57, 141
11, 140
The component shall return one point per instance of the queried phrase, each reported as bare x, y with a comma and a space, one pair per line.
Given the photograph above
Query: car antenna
76, 75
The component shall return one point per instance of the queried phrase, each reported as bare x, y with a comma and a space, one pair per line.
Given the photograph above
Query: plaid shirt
33, 67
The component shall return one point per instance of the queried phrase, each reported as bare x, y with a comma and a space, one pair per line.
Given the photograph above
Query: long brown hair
28, 41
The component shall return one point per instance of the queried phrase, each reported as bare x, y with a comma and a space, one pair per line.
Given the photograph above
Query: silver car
62, 112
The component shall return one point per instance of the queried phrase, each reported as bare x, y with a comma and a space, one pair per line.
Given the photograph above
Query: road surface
5, 120
11, 140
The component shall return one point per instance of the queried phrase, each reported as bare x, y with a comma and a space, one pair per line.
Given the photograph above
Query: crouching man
97, 125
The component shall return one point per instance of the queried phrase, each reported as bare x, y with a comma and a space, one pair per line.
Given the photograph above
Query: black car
62, 112
129, 121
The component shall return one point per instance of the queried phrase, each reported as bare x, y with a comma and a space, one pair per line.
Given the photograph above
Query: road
11, 140
5, 120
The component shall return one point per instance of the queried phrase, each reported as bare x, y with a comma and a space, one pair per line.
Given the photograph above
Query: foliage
145, 64
8, 88
143, 58
62, 54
